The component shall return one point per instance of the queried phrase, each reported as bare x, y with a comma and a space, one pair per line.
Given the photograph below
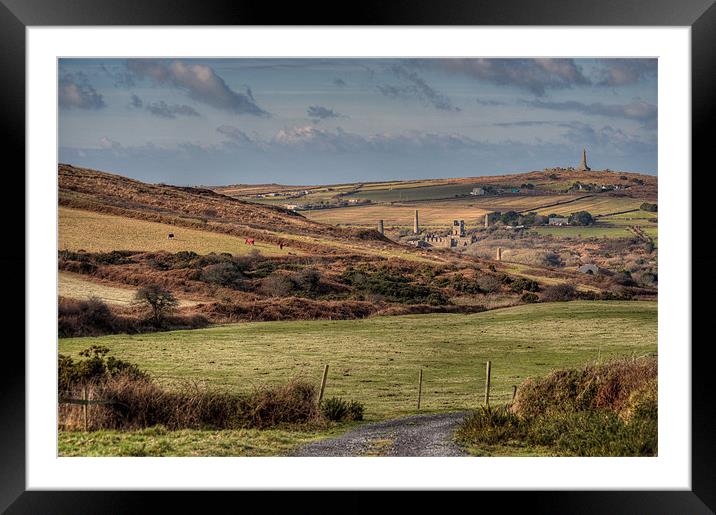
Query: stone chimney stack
583, 165
498, 257
381, 230
416, 226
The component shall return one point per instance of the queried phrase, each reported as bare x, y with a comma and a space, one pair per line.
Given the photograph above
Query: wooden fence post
420, 386
514, 392
323, 383
487, 383
85, 406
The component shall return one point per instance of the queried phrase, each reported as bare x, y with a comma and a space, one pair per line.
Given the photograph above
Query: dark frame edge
14, 497
703, 129
12, 379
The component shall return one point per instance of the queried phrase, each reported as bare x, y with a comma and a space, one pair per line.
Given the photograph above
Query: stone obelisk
583, 165
416, 227
381, 229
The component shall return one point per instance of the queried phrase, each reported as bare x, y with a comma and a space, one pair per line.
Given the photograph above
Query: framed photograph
417, 249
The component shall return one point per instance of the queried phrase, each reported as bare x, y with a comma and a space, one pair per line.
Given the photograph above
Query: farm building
558, 220
477, 191
589, 268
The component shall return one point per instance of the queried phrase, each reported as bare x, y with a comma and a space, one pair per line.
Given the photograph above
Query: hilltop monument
583, 165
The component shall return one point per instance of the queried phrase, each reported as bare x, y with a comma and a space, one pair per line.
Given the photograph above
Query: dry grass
612, 386
100, 232
139, 403
76, 286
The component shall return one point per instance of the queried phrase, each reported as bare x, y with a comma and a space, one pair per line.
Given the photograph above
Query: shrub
489, 283
581, 218
336, 409
521, 284
529, 298
227, 274
649, 207
392, 287
97, 366
277, 285
559, 293
490, 425
85, 318
137, 402
308, 280
599, 410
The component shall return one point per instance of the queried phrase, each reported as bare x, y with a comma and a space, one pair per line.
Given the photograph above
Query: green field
398, 194
376, 361
157, 441
594, 231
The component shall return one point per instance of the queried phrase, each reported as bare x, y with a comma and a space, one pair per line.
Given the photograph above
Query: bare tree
158, 300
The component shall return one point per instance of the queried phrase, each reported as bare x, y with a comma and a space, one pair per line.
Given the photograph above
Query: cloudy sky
319, 121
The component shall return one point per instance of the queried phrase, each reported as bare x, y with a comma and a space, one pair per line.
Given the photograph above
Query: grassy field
376, 361
99, 232
157, 441
416, 192
75, 286
595, 231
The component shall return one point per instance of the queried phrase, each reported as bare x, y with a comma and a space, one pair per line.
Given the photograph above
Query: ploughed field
376, 360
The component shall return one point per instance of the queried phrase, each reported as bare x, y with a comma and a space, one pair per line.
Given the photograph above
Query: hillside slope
204, 209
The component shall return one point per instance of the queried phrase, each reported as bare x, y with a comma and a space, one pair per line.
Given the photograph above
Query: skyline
319, 121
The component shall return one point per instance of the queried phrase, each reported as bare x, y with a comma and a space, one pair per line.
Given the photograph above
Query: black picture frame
16, 15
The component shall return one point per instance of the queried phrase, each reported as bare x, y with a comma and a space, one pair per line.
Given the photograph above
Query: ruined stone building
458, 237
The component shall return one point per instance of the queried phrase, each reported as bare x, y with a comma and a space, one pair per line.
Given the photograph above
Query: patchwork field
596, 205
376, 360
100, 232
440, 213
433, 214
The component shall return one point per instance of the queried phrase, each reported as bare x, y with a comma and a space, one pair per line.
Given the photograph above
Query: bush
227, 274
97, 366
559, 293
489, 283
277, 285
601, 410
649, 207
521, 284
581, 218
393, 287
491, 425
308, 280
336, 409
529, 298
137, 402
85, 318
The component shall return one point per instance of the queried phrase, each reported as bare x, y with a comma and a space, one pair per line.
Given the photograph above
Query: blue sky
319, 121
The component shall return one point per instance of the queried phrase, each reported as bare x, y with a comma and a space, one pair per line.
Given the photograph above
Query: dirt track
418, 435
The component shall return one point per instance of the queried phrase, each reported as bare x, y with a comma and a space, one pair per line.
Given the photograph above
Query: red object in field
280, 245
249, 241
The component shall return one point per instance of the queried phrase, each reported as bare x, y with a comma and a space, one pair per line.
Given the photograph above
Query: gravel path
418, 435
